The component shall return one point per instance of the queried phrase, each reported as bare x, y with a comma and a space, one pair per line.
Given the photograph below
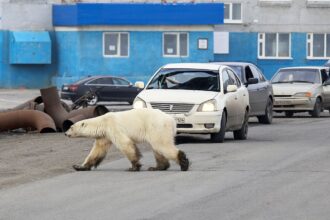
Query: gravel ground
26, 157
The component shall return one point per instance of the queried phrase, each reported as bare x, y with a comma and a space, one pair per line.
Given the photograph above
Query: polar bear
125, 129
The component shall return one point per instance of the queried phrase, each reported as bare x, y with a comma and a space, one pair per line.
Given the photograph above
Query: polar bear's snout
68, 133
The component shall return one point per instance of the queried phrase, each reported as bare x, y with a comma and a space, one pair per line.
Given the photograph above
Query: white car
203, 98
301, 89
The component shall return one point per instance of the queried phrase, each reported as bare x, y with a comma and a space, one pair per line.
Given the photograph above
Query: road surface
281, 172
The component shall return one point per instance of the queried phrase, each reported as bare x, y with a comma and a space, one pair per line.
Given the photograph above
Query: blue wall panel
25, 76
137, 14
244, 47
30, 47
81, 54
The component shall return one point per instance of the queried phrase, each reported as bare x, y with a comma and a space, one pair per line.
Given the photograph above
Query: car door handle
261, 89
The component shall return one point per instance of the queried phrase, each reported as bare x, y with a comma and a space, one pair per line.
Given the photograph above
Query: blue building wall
23, 75
243, 46
81, 54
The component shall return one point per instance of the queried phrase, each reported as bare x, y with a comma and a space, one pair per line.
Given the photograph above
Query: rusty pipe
53, 106
84, 113
40, 121
30, 104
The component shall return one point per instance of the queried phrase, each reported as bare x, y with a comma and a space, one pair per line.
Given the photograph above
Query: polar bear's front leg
162, 162
96, 155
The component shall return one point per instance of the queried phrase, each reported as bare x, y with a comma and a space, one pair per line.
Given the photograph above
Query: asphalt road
280, 172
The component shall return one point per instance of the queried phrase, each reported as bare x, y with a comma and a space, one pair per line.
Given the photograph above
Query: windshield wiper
281, 82
301, 81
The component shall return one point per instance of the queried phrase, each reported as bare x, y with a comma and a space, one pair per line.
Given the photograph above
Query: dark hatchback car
106, 88
260, 91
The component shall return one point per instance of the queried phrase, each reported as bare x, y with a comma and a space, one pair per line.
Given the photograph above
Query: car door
103, 87
231, 99
325, 89
240, 94
125, 91
258, 92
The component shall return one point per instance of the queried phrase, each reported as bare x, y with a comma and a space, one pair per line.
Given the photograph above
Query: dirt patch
27, 157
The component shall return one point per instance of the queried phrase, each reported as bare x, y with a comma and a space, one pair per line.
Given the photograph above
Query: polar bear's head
86, 128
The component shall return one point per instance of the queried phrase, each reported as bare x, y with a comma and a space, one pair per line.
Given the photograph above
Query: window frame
178, 45
118, 44
310, 46
262, 46
230, 20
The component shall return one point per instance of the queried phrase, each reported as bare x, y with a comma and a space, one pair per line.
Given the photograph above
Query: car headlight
303, 94
208, 106
139, 103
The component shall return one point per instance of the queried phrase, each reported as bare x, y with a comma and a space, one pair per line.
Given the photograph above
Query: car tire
94, 100
220, 136
317, 108
267, 118
288, 114
241, 134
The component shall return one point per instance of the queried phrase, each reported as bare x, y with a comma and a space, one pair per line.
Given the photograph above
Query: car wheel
268, 117
220, 136
94, 100
317, 108
241, 134
288, 114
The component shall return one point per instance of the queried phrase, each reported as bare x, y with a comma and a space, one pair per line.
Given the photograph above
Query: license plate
180, 120
283, 102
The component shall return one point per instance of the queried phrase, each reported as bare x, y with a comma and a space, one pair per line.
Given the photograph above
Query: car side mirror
139, 84
252, 81
231, 88
327, 82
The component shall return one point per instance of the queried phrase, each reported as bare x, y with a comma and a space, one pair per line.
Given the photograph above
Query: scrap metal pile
46, 113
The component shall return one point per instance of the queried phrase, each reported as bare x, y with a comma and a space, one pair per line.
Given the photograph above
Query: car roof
234, 63
305, 67
208, 66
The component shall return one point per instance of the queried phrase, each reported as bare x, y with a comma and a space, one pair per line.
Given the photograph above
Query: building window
115, 44
318, 3
275, 2
175, 44
233, 13
274, 45
318, 46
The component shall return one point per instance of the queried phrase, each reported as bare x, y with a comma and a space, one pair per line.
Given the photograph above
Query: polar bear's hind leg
183, 161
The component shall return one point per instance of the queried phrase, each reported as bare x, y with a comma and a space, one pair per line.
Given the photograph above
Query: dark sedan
106, 88
260, 93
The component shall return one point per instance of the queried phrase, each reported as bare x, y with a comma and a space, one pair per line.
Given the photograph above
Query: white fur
127, 128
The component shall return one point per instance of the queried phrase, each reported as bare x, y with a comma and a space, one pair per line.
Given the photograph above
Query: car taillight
73, 88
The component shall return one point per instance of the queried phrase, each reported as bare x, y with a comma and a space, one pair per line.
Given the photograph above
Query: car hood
293, 88
182, 96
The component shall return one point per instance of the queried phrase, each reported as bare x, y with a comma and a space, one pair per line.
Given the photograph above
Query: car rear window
186, 79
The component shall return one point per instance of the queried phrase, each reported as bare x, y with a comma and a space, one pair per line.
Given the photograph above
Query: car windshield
297, 76
205, 80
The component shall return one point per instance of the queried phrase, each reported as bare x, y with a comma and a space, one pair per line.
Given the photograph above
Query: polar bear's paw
183, 161
136, 166
81, 168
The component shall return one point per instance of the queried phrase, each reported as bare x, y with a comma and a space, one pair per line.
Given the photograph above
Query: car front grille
172, 108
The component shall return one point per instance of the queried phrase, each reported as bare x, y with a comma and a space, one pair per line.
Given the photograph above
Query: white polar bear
127, 128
